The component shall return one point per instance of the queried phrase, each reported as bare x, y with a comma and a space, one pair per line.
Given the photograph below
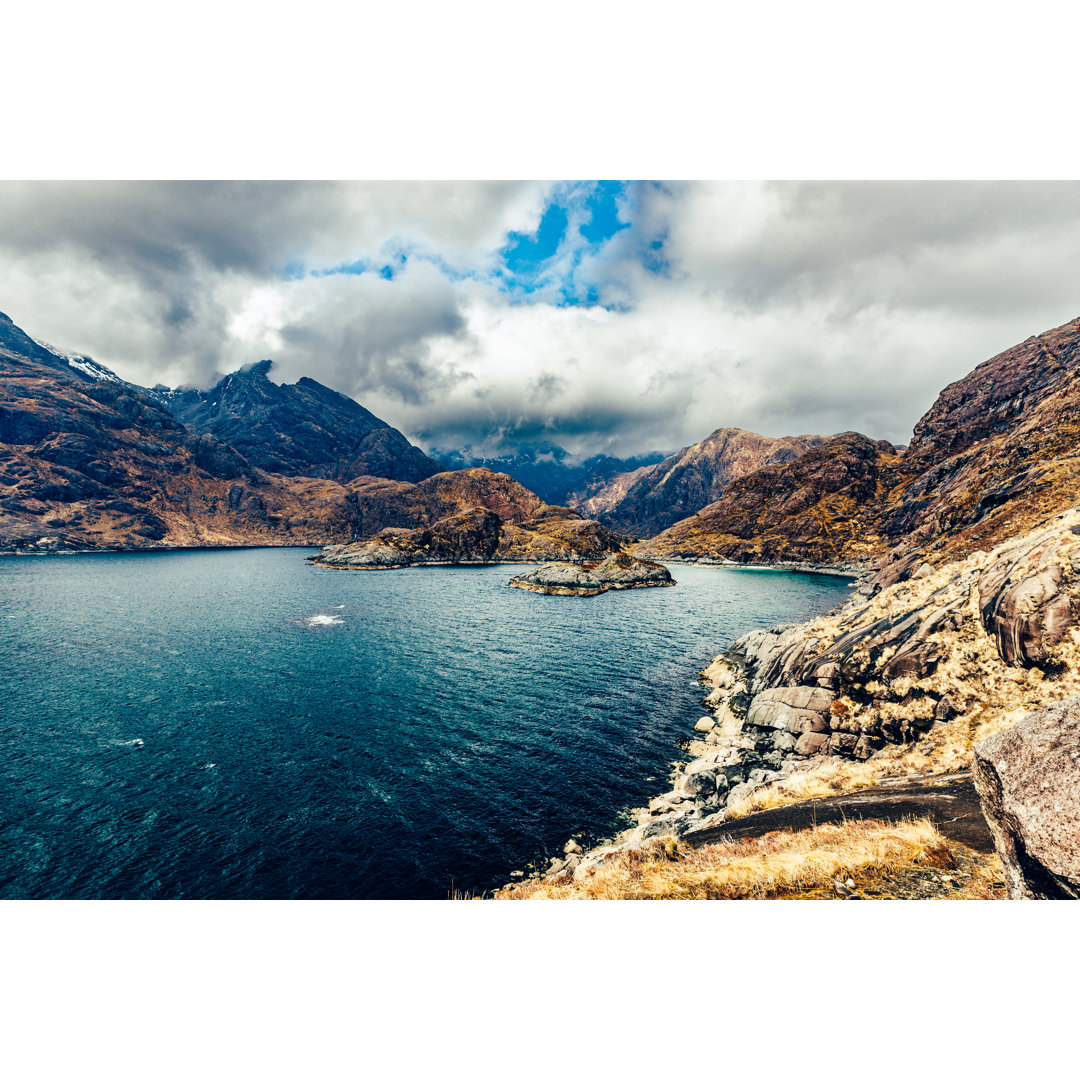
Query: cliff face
304, 429
649, 500
997, 454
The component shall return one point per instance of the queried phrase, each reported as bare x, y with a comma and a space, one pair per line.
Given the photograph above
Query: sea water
241, 724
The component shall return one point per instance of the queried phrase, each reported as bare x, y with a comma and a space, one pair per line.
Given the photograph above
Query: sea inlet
242, 725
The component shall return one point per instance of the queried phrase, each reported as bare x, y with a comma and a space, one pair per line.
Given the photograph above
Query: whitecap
323, 620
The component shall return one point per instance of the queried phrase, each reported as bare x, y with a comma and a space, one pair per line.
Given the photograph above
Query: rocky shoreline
619, 571
905, 676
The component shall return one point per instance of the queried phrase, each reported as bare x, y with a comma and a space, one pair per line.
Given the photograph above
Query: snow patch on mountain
82, 363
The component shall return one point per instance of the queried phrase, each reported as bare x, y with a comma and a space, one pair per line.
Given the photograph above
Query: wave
323, 620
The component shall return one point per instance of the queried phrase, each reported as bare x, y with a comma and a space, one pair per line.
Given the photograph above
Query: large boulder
1028, 778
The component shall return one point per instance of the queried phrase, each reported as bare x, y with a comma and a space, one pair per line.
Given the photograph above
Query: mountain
302, 429
995, 456
89, 461
549, 470
819, 507
649, 500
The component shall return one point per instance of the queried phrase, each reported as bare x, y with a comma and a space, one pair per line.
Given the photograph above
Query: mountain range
89, 461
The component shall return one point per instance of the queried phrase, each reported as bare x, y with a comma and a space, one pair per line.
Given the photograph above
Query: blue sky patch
525, 253
564, 262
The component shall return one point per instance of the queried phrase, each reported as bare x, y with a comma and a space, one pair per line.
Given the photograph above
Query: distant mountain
548, 470
818, 507
651, 499
302, 429
996, 456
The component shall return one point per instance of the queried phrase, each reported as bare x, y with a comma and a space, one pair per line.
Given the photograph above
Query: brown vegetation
897, 860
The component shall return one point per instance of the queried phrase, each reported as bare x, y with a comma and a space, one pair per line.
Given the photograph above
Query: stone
699, 783
811, 742
944, 709
815, 698
669, 825
842, 742
807, 721
740, 792
572, 847
706, 723
1028, 780
867, 746
783, 740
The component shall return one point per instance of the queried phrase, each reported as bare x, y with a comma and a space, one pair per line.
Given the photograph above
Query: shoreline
897, 683
156, 550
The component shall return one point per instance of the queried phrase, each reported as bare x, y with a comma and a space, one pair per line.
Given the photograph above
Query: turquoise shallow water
239, 724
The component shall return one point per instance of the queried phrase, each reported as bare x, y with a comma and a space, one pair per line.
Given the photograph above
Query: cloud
619, 318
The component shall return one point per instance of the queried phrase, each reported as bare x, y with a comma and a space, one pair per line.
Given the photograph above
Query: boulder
1028, 779
867, 746
792, 708
699, 783
811, 742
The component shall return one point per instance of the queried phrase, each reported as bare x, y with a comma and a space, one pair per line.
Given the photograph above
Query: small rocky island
620, 571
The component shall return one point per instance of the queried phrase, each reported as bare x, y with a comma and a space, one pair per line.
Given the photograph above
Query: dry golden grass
880, 858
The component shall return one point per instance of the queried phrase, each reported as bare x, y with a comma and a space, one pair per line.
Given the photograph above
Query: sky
603, 316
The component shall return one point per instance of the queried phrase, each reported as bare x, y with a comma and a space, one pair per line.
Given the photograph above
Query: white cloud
784, 308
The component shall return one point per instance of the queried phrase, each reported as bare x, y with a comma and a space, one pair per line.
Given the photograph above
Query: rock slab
1028, 779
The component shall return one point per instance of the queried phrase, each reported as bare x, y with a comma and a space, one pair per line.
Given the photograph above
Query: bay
242, 725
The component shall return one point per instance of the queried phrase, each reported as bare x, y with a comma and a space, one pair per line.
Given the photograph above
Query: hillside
958, 654
90, 462
648, 500
995, 455
819, 508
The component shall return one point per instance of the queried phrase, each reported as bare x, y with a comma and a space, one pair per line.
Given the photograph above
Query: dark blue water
176, 726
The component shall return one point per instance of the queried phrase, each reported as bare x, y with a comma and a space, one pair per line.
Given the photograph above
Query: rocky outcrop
1028, 778
478, 535
302, 429
619, 571
959, 645
818, 508
651, 499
